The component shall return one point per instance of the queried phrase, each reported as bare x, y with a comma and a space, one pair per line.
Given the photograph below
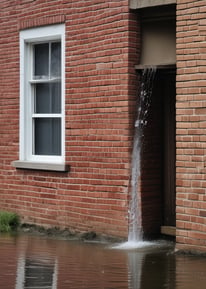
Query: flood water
43, 263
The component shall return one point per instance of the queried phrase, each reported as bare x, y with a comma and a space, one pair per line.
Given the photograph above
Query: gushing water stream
135, 218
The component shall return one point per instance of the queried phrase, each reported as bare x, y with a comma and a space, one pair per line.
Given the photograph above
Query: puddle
31, 262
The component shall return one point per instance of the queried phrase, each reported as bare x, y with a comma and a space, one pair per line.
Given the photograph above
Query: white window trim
26, 159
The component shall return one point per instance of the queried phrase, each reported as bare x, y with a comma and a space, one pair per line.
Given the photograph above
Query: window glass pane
41, 61
56, 59
47, 134
48, 98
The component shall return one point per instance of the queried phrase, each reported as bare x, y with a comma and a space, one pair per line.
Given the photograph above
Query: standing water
29, 262
135, 217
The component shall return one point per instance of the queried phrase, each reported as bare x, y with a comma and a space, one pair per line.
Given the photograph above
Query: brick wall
191, 125
100, 93
102, 46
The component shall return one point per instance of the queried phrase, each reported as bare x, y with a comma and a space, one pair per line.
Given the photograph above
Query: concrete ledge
168, 230
157, 66
137, 4
40, 166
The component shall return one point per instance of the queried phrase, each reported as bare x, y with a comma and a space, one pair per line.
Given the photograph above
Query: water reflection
156, 271
33, 273
135, 269
39, 263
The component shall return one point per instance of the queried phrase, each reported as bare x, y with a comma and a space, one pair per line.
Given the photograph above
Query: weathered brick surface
100, 95
191, 125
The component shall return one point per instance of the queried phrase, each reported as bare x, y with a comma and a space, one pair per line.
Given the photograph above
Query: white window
42, 104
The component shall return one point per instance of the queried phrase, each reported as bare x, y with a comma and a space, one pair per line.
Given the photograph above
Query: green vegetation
8, 221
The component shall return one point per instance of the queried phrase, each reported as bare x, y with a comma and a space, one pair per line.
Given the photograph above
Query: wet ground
43, 263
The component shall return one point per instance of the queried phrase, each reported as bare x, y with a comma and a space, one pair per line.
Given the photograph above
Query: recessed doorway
158, 184
158, 191
165, 89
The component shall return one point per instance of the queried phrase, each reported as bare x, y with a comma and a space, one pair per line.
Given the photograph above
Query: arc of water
135, 216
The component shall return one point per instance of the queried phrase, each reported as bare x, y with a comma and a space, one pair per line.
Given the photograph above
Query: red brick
103, 43
98, 142
191, 122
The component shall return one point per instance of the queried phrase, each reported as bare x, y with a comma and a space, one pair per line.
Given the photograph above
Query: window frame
28, 38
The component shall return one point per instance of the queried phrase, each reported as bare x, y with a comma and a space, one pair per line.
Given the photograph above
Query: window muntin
42, 94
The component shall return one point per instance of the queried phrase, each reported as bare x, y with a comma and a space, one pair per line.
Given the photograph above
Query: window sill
40, 166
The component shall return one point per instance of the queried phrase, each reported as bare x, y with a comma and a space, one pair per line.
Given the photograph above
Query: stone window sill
40, 166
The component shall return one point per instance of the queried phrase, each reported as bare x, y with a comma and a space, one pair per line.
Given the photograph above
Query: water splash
135, 217
131, 245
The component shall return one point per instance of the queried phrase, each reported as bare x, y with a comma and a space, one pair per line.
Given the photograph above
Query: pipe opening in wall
158, 36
